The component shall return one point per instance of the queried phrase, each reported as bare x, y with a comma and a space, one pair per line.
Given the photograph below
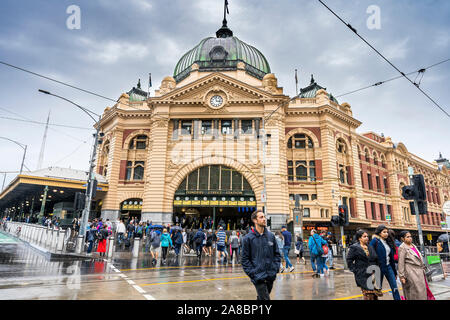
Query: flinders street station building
220, 131
197, 148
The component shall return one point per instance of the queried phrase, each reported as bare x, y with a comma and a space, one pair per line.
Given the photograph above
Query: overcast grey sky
123, 40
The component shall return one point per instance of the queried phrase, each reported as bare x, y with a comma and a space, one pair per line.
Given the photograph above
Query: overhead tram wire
43, 123
381, 55
422, 70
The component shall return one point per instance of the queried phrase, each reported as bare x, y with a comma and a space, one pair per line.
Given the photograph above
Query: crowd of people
384, 256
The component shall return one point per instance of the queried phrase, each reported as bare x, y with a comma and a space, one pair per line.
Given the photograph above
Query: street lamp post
23, 146
91, 177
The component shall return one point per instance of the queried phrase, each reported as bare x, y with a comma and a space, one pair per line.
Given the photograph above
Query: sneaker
332, 268
291, 269
321, 275
282, 270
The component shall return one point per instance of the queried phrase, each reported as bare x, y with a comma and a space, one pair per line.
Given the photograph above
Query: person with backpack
139, 233
166, 242
287, 246
178, 241
299, 248
91, 236
221, 240
130, 230
234, 242
102, 235
198, 240
386, 260
155, 241
316, 245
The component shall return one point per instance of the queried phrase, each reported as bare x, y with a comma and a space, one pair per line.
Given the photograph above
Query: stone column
155, 174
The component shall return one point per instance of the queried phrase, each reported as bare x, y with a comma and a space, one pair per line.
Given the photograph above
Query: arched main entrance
213, 195
131, 208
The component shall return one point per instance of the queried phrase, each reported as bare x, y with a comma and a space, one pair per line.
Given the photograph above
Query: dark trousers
164, 252
91, 243
263, 289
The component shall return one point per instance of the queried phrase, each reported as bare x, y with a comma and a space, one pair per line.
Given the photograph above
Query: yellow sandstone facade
199, 142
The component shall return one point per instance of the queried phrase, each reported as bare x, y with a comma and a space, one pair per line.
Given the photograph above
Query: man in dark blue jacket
198, 240
260, 256
287, 246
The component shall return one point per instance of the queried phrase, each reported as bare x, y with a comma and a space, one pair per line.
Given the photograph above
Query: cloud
110, 51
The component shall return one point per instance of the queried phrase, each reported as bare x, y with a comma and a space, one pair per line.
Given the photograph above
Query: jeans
120, 238
286, 256
313, 262
91, 243
177, 248
329, 257
263, 289
390, 276
130, 234
320, 263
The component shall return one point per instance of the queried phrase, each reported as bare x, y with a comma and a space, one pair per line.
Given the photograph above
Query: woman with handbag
360, 258
411, 270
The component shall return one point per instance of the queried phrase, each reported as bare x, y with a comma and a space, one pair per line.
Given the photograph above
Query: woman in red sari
102, 236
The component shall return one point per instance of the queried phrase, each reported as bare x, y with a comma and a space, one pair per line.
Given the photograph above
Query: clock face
216, 101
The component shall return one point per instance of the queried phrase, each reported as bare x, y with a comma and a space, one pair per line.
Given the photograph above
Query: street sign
429, 236
263, 196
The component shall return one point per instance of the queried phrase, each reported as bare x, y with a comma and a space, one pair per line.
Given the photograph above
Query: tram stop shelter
24, 195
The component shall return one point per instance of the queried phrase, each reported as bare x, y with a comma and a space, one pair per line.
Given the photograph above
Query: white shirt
388, 250
121, 228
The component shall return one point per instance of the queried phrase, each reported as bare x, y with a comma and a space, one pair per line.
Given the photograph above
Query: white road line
139, 289
131, 282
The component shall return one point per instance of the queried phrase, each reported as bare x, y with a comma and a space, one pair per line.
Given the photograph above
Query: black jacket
260, 256
358, 262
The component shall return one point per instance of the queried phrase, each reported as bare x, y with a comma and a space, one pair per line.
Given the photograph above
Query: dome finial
139, 84
312, 79
224, 32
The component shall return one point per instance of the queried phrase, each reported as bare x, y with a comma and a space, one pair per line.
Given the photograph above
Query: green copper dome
222, 54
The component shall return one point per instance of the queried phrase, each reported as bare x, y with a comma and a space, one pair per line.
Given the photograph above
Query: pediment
235, 91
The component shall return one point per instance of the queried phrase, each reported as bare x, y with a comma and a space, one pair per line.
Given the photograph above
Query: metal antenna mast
41, 153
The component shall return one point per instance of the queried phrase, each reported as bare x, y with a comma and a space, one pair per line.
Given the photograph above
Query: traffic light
343, 215
335, 221
422, 205
269, 222
80, 201
409, 192
419, 184
94, 186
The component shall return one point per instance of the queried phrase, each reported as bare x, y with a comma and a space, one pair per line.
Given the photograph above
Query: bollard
61, 236
79, 246
54, 239
137, 242
110, 247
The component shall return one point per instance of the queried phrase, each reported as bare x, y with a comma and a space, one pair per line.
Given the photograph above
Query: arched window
300, 141
304, 170
138, 142
341, 146
375, 158
383, 161
135, 170
366, 154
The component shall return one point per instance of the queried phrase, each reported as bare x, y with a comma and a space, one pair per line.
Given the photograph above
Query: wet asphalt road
27, 274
